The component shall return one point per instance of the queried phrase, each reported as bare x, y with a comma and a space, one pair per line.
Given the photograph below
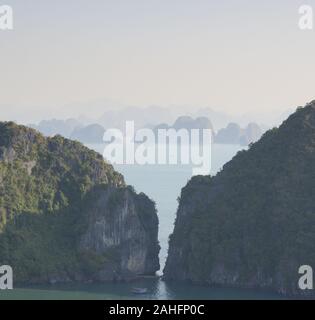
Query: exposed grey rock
124, 225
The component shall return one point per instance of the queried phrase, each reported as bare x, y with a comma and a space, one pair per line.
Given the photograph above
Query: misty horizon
65, 60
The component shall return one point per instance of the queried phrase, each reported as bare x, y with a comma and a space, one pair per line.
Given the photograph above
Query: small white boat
139, 290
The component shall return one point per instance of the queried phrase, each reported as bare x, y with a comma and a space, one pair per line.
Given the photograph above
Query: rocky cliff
66, 215
253, 224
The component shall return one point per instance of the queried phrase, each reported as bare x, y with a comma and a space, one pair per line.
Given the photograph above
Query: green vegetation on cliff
39, 175
48, 190
253, 224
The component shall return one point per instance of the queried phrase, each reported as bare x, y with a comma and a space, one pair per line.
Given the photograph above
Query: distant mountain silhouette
145, 118
234, 134
92, 133
54, 126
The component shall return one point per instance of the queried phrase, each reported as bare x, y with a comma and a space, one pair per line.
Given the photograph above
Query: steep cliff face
253, 224
66, 215
126, 225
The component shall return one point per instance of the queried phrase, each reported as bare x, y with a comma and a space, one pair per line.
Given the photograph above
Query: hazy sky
236, 56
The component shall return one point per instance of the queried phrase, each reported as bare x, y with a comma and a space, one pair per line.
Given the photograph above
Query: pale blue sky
236, 56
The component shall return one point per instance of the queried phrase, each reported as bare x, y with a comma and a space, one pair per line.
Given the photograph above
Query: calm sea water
162, 184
